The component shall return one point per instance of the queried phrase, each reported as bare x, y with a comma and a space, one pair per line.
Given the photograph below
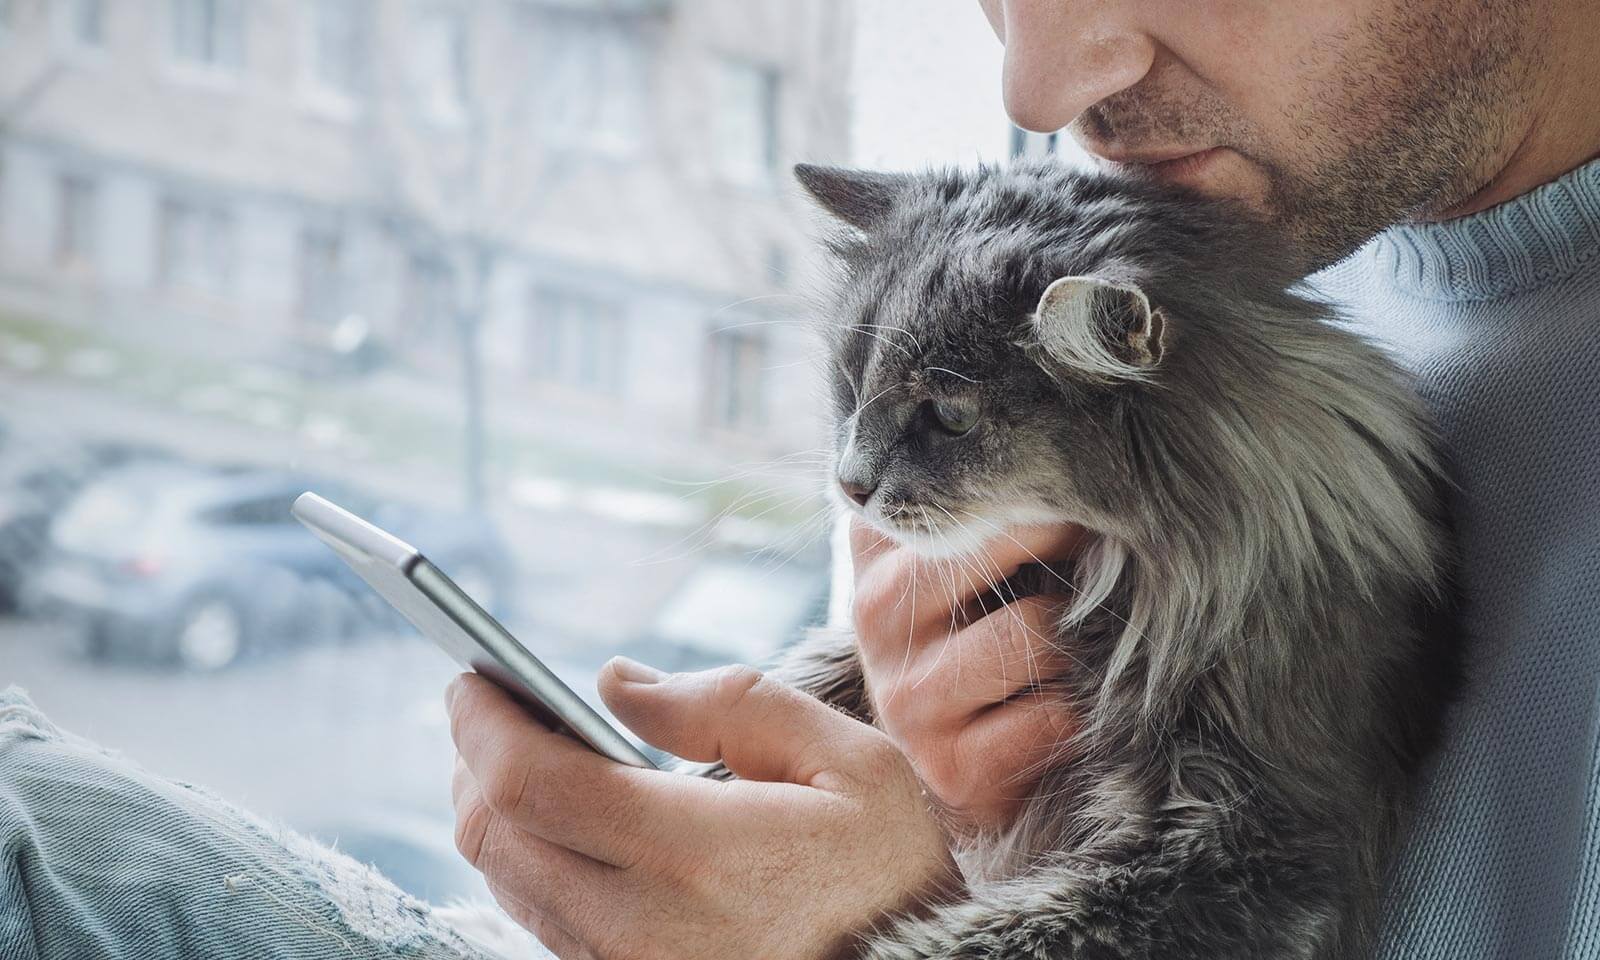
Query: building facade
591, 195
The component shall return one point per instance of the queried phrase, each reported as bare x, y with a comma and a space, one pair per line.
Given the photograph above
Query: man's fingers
867, 542
552, 786
995, 657
760, 728
1025, 733
573, 896
902, 598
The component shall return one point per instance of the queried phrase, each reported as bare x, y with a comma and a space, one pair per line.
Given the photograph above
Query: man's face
1333, 117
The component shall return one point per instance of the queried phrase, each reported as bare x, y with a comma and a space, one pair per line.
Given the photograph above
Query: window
440, 57
208, 33
735, 399
577, 340
87, 23
427, 301
77, 200
590, 79
746, 119
321, 273
339, 38
195, 246
777, 266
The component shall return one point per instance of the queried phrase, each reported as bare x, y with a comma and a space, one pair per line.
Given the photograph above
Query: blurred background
523, 281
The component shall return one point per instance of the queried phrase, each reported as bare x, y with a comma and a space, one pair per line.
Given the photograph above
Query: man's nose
1062, 58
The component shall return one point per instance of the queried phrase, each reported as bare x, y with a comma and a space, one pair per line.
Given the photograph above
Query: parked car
37, 479
197, 567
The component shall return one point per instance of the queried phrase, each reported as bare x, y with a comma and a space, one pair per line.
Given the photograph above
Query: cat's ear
1106, 328
861, 198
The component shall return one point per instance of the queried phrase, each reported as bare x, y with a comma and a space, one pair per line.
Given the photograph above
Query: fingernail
635, 672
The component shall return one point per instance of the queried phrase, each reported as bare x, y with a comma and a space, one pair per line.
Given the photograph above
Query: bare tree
445, 137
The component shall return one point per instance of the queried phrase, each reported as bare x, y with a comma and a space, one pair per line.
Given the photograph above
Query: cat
1265, 624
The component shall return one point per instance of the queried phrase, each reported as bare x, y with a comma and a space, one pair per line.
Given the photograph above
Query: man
1467, 122
1470, 123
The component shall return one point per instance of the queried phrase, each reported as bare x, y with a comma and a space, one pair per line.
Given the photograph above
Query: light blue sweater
1499, 316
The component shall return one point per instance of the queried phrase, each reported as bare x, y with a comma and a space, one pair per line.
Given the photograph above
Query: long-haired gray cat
1262, 624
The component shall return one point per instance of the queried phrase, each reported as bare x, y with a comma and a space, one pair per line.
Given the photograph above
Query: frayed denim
100, 859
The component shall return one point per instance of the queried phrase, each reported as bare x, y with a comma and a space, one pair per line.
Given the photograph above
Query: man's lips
1173, 165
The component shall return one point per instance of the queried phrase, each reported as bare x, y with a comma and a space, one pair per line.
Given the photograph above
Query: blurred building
595, 193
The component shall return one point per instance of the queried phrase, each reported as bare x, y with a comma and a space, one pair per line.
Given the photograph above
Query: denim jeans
100, 859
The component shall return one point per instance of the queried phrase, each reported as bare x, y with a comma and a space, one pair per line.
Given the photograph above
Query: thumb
760, 728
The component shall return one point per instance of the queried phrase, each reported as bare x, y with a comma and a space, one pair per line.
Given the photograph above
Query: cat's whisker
1035, 674
953, 373
756, 299
700, 536
860, 409
1070, 585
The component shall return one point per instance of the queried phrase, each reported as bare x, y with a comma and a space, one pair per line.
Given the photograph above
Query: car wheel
210, 635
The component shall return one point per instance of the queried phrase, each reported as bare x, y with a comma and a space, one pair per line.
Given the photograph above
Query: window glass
208, 33
590, 82
441, 64
736, 381
746, 121
76, 220
195, 244
579, 340
341, 33
589, 390
321, 278
88, 22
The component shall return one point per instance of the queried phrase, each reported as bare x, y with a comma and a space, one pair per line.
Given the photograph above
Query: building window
590, 80
340, 36
88, 23
577, 340
195, 246
208, 33
321, 277
735, 395
746, 119
427, 312
77, 205
440, 57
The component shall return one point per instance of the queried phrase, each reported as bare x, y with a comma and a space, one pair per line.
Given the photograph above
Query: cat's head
1031, 344
999, 336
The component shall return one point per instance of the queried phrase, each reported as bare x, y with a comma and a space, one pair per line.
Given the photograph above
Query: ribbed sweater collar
1533, 240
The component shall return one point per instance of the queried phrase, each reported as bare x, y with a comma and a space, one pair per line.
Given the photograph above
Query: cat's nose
859, 492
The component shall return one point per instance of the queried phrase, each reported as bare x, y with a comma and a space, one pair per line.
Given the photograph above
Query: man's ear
1105, 328
861, 198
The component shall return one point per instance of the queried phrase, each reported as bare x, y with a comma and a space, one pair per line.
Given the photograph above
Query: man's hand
827, 830
951, 676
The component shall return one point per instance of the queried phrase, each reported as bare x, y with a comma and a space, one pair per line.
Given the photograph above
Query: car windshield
527, 284
104, 515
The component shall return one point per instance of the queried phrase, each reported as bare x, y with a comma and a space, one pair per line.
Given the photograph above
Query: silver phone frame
445, 614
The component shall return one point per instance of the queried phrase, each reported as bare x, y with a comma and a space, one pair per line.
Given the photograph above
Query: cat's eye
956, 418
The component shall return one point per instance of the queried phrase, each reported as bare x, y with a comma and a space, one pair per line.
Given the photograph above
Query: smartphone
447, 616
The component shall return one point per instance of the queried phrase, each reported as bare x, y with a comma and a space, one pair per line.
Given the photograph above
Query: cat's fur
1262, 625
